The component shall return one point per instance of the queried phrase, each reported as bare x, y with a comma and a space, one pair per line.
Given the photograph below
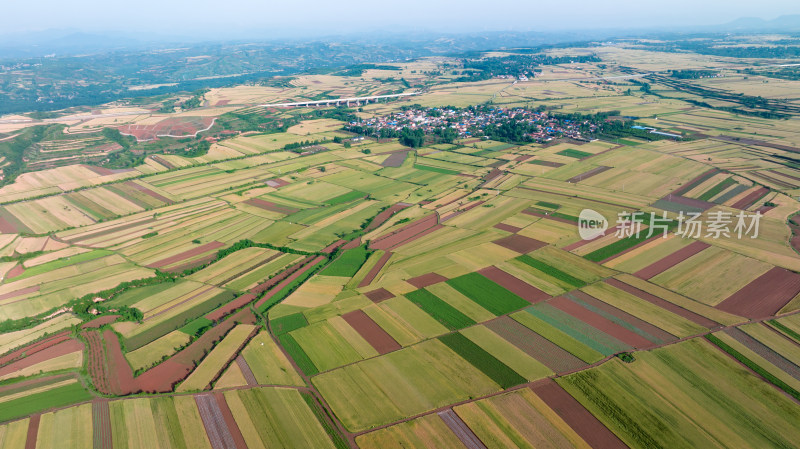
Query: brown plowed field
536, 346
600, 323
20, 292
217, 428
280, 277
33, 432
395, 159
100, 322
29, 350
764, 296
118, 371
664, 304
379, 295
405, 233
147, 191
670, 261
751, 198
576, 416
56, 350
658, 335
375, 269
374, 334
518, 287
270, 206
426, 279
383, 216
246, 371
520, 243
194, 252
507, 228
14, 272
232, 306
588, 174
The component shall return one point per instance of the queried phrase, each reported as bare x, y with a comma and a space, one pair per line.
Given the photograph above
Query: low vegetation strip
535, 345
288, 323
695, 182
751, 198
671, 260
551, 271
210, 246
754, 366
373, 272
664, 304
348, 263
297, 354
441, 311
765, 295
487, 294
485, 362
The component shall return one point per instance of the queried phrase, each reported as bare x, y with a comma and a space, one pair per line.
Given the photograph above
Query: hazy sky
314, 17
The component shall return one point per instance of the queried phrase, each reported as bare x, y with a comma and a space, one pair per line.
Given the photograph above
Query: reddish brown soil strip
764, 296
522, 158
100, 322
657, 334
355, 243
14, 221
145, 190
461, 430
535, 213
379, 295
246, 371
416, 237
600, 323
767, 353
231, 307
276, 183
118, 371
16, 271
20, 292
784, 174
664, 304
270, 206
375, 269
280, 277
102, 425
671, 260
199, 293
547, 163
109, 230
33, 432
695, 182
520, 243
289, 280
194, 252
217, 429
656, 236
536, 346
783, 184
751, 198
65, 347
102, 171
163, 162
222, 102
588, 174
6, 227
493, 173
33, 348
426, 280
507, 228
405, 233
576, 416
374, 334
395, 159
764, 209
333, 246
384, 216
163, 377
517, 286
193, 264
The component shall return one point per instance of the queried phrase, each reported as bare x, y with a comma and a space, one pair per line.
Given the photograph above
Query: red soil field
118, 371
664, 304
405, 233
426, 280
355, 243
461, 430
383, 216
102, 171
270, 206
764, 209
376, 269
96, 365
517, 286
280, 277
764, 296
16, 271
289, 280
222, 102
695, 182
246, 371
193, 264
99, 322
6, 227
210, 246
199, 293
171, 127
164, 376
147, 191
507, 228
35, 347
418, 236
751, 198
600, 323
102, 437
19, 292
395, 159
33, 432
230, 307
217, 426
536, 346
658, 335
576, 416
379, 295
62, 348
493, 173
588, 174
333, 246
374, 334
163, 162
519, 243
765, 352
522, 158
670, 261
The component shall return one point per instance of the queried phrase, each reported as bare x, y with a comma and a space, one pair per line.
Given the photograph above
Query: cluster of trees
514, 65
692, 74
